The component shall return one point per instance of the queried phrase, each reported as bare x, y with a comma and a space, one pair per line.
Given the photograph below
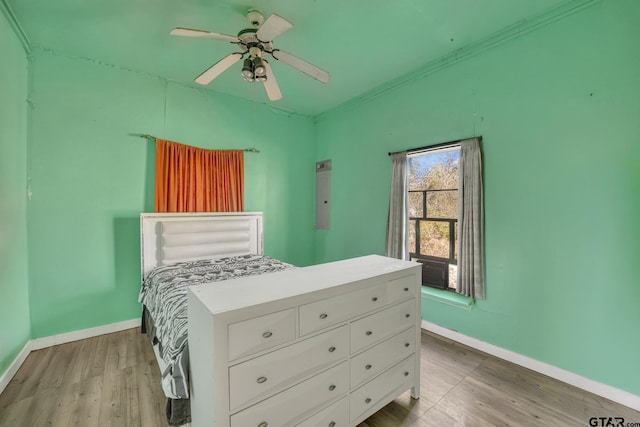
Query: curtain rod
433, 147
145, 136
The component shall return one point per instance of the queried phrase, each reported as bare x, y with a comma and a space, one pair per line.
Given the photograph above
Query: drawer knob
407, 315
368, 367
367, 400
374, 299
368, 333
406, 373
323, 316
332, 387
406, 289
267, 334
261, 380
407, 344
332, 349
332, 424
263, 424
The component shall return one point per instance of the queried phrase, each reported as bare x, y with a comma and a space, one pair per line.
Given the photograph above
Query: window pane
436, 170
453, 276
415, 205
415, 173
434, 238
412, 236
442, 204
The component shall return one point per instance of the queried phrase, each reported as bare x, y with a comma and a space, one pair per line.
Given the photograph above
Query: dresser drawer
380, 387
267, 374
336, 415
326, 312
380, 325
401, 288
262, 332
283, 408
379, 357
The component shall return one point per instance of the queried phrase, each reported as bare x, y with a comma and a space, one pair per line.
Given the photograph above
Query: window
426, 203
433, 214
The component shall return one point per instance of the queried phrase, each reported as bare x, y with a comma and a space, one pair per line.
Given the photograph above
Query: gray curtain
397, 221
470, 221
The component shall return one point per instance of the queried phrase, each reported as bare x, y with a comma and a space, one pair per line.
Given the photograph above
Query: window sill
448, 297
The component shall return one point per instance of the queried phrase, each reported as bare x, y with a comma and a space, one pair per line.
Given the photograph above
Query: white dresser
326, 345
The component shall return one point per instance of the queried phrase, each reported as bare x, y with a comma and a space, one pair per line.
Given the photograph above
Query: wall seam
15, 25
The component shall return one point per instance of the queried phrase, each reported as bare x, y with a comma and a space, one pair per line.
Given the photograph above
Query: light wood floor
113, 380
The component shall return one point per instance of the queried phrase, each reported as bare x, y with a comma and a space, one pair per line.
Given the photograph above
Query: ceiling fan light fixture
261, 78
247, 70
258, 66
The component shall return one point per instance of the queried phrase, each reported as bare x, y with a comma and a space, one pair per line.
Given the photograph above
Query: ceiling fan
254, 43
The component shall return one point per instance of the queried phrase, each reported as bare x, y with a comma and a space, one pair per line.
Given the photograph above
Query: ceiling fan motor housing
247, 36
249, 42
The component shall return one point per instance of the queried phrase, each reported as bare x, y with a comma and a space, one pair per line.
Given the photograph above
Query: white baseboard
14, 366
40, 343
620, 396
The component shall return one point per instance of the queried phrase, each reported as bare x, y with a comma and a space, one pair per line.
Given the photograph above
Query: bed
179, 251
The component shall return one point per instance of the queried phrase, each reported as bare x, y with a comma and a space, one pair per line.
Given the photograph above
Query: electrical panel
323, 194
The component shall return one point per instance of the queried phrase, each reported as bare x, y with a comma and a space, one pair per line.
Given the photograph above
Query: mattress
164, 296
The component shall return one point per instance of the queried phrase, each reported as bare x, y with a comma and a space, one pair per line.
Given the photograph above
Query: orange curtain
191, 179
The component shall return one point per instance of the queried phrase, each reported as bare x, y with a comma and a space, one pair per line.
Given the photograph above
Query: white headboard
166, 238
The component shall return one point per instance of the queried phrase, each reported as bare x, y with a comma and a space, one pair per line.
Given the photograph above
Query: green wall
91, 180
14, 291
559, 111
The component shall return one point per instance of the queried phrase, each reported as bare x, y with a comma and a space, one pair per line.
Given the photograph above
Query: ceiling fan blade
216, 69
188, 32
309, 69
273, 27
271, 85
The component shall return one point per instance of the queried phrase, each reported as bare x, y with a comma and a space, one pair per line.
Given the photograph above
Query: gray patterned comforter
164, 294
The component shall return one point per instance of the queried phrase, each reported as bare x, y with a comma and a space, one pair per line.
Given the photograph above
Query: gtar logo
606, 422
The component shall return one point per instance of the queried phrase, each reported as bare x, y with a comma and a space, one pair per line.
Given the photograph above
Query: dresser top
248, 291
